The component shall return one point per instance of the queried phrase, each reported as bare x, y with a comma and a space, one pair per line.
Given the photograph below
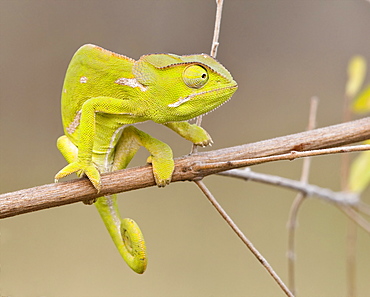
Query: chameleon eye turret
195, 76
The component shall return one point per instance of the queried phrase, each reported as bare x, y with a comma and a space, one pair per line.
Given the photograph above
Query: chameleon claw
162, 183
149, 160
162, 172
205, 142
89, 170
94, 177
69, 169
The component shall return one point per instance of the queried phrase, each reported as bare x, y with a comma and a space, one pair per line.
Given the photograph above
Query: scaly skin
105, 93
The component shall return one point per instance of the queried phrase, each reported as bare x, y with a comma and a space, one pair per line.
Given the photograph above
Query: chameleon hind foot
162, 170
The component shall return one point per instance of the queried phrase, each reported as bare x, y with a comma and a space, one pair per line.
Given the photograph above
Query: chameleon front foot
199, 136
81, 169
191, 132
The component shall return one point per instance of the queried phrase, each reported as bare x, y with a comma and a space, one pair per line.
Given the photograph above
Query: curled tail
125, 233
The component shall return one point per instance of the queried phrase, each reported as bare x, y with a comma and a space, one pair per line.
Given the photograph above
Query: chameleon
104, 94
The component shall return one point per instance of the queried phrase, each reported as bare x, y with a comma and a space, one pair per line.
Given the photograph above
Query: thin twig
293, 155
364, 208
328, 195
300, 197
356, 217
214, 47
292, 225
216, 32
351, 227
245, 240
351, 251
187, 168
341, 199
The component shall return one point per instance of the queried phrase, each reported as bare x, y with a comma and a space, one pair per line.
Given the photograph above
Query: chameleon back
90, 74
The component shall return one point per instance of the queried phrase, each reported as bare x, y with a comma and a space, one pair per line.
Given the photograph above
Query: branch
186, 168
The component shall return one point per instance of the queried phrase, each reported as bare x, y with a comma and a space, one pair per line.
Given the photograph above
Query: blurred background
281, 53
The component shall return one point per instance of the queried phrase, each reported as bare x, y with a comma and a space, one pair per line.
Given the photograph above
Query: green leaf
356, 72
362, 102
359, 177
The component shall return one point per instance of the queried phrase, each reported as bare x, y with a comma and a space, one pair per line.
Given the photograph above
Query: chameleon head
183, 87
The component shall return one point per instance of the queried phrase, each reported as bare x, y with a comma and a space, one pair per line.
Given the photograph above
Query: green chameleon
104, 93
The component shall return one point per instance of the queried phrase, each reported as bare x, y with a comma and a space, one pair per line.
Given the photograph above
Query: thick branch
187, 168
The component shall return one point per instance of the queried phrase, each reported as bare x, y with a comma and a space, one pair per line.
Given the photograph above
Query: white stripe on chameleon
179, 102
73, 126
185, 99
182, 100
130, 82
83, 79
111, 147
112, 212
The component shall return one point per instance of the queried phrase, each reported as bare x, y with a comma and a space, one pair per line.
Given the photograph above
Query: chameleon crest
105, 93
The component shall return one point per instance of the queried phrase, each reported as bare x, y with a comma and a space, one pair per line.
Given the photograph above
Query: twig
293, 155
351, 259
245, 240
355, 217
216, 32
308, 190
344, 200
214, 47
364, 208
344, 180
298, 201
187, 168
292, 225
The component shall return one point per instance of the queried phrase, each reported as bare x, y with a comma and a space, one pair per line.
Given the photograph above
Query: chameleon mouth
234, 88
182, 100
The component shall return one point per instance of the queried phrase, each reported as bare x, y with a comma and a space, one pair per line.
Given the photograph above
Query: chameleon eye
195, 76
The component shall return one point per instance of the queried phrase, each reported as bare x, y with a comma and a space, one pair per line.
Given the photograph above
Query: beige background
280, 52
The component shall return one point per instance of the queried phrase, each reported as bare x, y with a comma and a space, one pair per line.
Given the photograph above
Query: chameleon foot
76, 167
162, 170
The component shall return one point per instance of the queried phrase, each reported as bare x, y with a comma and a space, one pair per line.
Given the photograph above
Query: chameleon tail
125, 233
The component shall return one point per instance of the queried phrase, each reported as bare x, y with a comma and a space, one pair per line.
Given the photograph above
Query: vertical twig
245, 240
214, 47
351, 257
216, 32
292, 222
345, 157
351, 226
